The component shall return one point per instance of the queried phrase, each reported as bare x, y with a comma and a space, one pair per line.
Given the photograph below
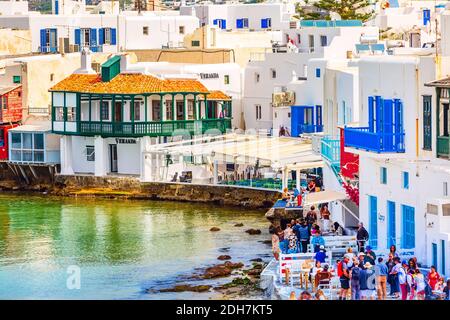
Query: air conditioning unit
74, 48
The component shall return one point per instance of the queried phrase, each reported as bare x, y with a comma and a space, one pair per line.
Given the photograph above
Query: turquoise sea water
121, 247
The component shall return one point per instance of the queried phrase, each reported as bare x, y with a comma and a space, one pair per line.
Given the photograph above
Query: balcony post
121, 109
185, 108
206, 107
162, 107
195, 108
173, 108
90, 108
145, 106
100, 110
132, 114
113, 112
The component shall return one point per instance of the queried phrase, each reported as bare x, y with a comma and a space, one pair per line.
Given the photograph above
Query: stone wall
132, 188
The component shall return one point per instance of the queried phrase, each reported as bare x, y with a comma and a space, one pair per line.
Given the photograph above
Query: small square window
17, 79
195, 43
52, 76
273, 73
145, 31
383, 175
226, 79
257, 76
90, 153
181, 29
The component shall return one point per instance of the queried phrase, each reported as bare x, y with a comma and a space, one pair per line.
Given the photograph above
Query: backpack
355, 273
340, 269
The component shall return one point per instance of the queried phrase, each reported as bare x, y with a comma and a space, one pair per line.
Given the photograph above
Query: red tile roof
127, 83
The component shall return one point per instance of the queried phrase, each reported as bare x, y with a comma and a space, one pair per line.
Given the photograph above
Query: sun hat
368, 265
322, 246
361, 254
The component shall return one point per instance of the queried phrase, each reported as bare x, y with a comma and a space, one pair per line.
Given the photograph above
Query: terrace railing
310, 128
153, 128
331, 150
380, 142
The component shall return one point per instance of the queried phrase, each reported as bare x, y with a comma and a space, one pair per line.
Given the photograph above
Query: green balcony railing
151, 128
443, 146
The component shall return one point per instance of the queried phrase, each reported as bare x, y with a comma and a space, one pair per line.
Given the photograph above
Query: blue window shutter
101, 36
371, 114
405, 180
443, 256
409, 228
43, 40
56, 7
391, 224
264, 23
54, 46
113, 36
239, 23
317, 72
93, 38
215, 22
224, 24
78, 36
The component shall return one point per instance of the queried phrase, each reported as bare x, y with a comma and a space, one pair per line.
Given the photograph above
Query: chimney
86, 67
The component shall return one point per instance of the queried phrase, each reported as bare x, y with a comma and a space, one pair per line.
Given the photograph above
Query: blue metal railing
331, 150
330, 23
310, 128
363, 138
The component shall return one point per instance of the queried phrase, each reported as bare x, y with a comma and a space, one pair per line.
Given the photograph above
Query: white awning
283, 151
323, 197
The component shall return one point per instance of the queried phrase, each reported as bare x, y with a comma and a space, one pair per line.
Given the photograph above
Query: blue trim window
242, 23
266, 23
383, 175
434, 253
405, 180
317, 72
48, 40
323, 41
427, 124
27, 147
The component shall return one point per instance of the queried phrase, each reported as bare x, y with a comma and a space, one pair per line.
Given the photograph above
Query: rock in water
187, 287
253, 231
224, 257
221, 270
214, 229
239, 225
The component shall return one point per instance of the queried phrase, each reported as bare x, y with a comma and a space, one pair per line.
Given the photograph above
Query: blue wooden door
373, 221
408, 227
434, 252
319, 125
390, 223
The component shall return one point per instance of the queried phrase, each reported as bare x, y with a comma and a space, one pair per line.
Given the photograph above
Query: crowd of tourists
303, 232
362, 275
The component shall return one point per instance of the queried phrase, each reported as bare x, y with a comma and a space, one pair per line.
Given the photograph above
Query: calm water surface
122, 247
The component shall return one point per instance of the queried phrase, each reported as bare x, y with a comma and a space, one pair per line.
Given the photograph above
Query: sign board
214, 75
283, 99
125, 141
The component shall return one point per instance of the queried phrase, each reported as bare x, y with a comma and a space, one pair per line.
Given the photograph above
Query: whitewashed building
300, 67
103, 32
399, 175
238, 16
109, 121
13, 7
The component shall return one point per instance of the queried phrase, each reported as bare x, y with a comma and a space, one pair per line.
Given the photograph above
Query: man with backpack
381, 270
344, 277
354, 279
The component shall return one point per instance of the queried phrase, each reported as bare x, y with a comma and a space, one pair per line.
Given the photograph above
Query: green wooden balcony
443, 146
151, 128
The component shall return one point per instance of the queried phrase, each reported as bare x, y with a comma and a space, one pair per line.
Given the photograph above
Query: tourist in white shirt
400, 277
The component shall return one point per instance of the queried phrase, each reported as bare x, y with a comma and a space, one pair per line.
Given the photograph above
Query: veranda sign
125, 141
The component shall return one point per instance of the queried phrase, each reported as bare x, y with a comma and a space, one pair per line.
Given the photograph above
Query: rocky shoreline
243, 279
